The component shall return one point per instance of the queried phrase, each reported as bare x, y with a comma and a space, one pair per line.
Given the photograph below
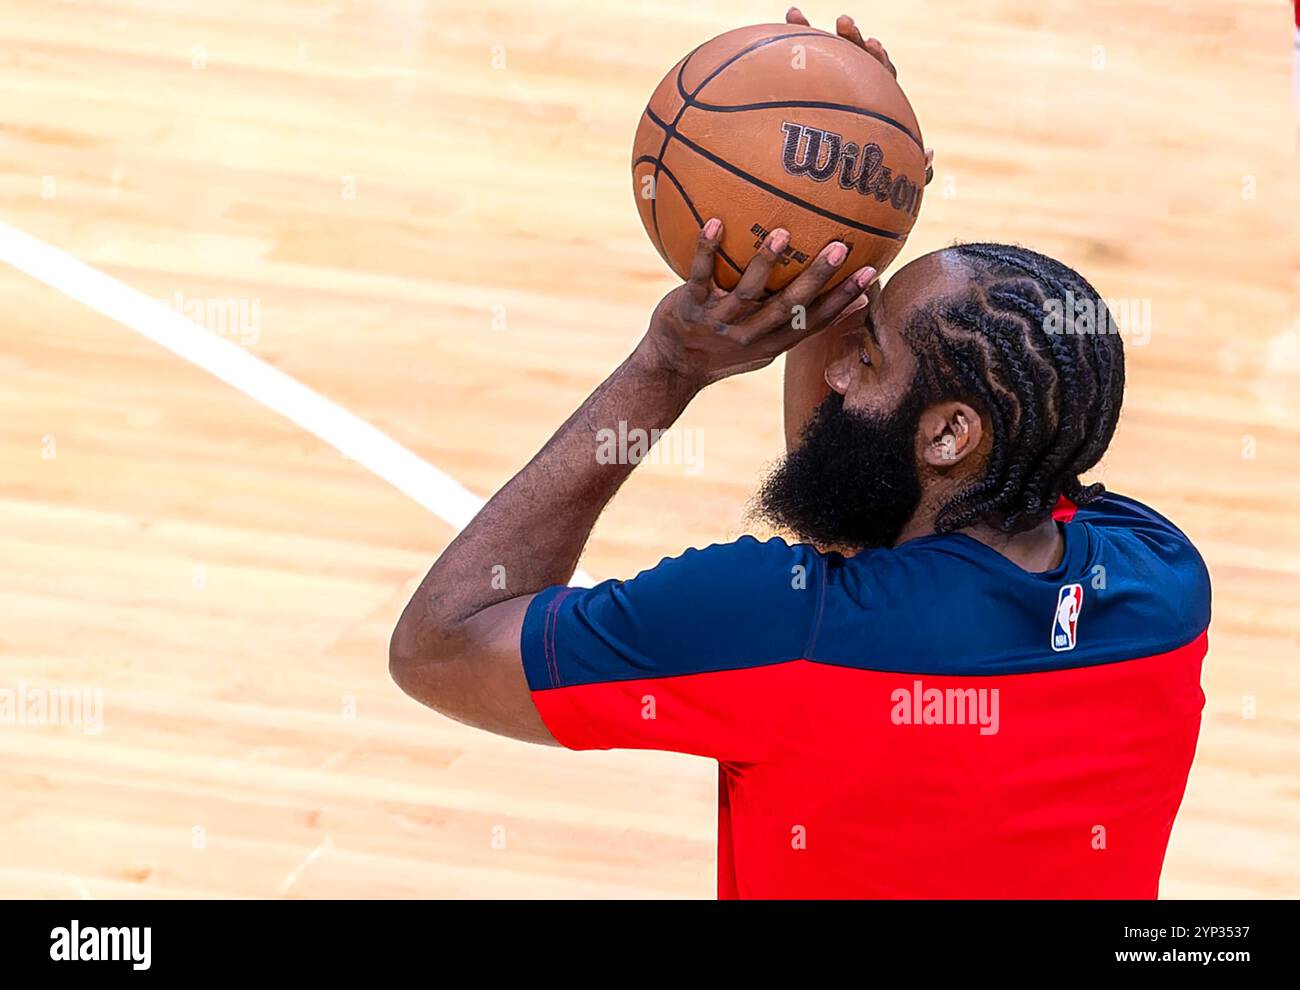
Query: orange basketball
779, 125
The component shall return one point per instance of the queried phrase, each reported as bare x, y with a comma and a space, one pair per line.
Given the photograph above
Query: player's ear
949, 433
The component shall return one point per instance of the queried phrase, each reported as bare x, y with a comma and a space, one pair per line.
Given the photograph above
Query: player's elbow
416, 651
402, 654
408, 651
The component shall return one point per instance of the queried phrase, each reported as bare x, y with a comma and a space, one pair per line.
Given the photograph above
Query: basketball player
975, 676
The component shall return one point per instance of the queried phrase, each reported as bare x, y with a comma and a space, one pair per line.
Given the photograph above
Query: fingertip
777, 240
711, 228
864, 276
836, 252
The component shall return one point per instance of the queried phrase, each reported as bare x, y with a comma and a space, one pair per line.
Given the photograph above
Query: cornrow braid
1033, 346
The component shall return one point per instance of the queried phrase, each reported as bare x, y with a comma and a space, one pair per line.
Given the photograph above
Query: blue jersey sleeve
679, 638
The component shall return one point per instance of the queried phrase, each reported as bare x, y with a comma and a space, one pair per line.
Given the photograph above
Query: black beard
852, 482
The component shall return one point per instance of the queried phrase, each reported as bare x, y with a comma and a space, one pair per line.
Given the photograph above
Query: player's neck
1033, 550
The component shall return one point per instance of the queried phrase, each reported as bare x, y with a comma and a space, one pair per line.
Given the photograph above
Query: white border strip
383, 456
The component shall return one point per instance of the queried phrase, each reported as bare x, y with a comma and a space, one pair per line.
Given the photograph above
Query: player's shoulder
760, 579
1118, 511
1139, 539
1136, 549
747, 571
722, 607
949, 603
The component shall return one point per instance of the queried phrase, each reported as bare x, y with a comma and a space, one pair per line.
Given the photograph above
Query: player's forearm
804, 383
803, 386
530, 534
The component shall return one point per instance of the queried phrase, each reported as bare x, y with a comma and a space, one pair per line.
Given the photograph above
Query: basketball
778, 125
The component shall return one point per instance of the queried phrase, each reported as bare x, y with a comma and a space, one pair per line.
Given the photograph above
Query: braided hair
1050, 384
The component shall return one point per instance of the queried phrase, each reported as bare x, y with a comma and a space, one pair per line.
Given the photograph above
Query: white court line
311, 857
346, 432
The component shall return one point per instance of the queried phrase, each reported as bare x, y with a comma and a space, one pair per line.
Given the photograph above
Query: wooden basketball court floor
426, 214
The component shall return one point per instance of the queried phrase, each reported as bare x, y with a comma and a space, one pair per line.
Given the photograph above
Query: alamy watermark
236, 317
131, 944
920, 705
633, 445
1130, 318
29, 704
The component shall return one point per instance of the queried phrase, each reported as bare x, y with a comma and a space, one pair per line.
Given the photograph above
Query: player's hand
848, 30
703, 333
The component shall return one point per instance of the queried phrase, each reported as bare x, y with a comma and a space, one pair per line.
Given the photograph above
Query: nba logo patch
1065, 624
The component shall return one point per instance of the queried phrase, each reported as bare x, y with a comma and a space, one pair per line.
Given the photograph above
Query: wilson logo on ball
819, 155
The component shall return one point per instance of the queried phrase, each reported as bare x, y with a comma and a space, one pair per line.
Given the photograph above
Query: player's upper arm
690, 656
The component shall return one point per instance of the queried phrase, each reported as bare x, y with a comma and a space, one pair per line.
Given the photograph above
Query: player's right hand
702, 333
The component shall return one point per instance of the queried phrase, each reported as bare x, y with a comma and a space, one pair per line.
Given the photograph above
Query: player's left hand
847, 29
702, 333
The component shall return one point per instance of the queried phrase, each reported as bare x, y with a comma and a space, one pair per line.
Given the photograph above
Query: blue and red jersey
928, 721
